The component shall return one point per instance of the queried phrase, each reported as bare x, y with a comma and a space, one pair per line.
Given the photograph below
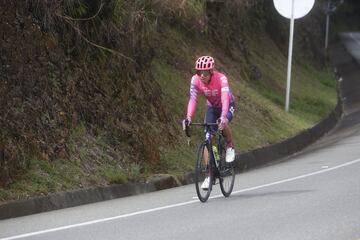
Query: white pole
327, 27
291, 38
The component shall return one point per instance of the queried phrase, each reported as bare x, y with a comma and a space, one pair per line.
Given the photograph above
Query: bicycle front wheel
203, 171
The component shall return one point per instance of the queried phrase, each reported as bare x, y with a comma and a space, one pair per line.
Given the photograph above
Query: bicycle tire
226, 171
202, 170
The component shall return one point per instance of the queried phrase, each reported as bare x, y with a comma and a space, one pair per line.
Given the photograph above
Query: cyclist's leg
228, 137
226, 131
230, 150
211, 116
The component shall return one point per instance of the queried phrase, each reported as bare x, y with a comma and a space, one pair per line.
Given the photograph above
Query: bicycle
214, 166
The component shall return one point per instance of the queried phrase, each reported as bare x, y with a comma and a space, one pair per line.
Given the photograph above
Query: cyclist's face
204, 76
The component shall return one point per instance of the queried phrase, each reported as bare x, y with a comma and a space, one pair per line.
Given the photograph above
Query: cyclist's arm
192, 99
225, 101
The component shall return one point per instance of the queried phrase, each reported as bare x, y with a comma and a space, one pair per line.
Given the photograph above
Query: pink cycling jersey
217, 93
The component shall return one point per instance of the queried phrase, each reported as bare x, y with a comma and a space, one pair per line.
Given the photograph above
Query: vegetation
98, 96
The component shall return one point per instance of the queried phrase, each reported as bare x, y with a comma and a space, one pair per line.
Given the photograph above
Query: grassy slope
259, 119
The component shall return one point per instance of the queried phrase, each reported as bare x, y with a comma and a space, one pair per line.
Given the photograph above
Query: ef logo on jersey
211, 93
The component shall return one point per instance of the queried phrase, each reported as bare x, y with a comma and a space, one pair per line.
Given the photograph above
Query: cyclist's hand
223, 121
185, 123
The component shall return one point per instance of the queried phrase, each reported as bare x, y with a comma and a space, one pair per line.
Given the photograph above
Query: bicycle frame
208, 142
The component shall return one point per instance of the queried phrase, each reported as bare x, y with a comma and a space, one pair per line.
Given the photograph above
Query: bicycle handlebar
203, 124
187, 132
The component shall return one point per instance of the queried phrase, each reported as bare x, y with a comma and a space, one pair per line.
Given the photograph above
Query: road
352, 44
312, 195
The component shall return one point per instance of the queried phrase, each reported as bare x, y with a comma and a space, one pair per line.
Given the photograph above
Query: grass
43, 177
92, 163
259, 119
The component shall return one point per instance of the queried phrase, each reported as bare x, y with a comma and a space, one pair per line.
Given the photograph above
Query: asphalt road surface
312, 195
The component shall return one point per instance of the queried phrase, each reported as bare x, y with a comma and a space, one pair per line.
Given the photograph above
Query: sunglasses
205, 73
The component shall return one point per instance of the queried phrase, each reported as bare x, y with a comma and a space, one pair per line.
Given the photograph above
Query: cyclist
220, 102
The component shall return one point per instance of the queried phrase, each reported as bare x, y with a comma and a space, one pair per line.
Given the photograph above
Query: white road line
293, 179
98, 221
176, 205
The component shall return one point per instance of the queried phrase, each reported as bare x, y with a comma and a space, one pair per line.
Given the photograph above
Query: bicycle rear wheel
227, 172
202, 171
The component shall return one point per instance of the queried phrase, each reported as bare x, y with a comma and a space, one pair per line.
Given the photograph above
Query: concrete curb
244, 161
82, 196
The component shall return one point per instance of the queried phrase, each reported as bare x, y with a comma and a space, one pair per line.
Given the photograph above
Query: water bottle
216, 155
